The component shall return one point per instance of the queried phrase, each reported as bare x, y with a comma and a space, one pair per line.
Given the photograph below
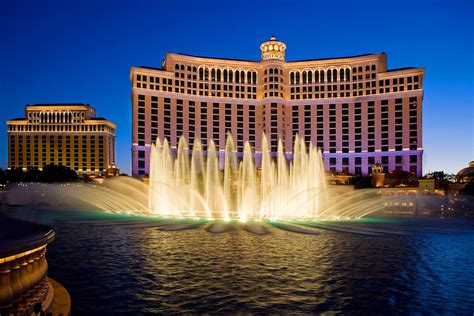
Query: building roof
467, 172
256, 61
398, 69
329, 58
210, 57
59, 104
152, 68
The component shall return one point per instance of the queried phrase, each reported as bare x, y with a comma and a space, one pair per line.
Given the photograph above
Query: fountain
189, 187
192, 185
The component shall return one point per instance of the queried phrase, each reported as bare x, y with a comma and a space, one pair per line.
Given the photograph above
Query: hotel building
67, 134
354, 109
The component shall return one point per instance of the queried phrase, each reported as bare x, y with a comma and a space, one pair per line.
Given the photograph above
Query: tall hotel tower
66, 134
354, 109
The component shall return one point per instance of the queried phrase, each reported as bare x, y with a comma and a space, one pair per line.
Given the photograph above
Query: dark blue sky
82, 51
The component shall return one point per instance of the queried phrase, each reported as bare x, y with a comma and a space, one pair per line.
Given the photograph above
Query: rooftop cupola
273, 49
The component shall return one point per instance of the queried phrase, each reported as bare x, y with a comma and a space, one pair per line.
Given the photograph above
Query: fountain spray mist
192, 185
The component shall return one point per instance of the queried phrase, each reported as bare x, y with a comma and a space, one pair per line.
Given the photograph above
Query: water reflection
145, 270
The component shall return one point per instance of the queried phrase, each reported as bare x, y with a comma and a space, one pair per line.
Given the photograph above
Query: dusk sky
82, 51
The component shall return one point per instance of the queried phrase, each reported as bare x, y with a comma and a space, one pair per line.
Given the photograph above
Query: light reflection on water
121, 269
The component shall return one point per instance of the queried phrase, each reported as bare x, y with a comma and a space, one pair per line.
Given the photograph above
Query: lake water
421, 266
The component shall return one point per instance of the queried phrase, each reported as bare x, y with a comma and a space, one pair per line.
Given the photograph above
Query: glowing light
192, 185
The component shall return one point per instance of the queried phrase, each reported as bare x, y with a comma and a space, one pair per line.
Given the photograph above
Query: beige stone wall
366, 115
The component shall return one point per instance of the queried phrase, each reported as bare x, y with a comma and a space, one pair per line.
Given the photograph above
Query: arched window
182, 67
225, 75
348, 74
334, 75
176, 67
242, 76
194, 69
329, 75
373, 67
297, 78
360, 69
201, 74
304, 77
189, 68
271, 71
249, 77
310, 76
213, 74
321, 75
254, 75
206, 74
237, 78
292, 78
231, 76
367, 68
218, 75
316, 76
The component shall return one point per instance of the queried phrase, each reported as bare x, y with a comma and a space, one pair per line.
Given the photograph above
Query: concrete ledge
62, 300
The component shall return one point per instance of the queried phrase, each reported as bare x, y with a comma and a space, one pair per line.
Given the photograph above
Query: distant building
466, 175
67, 134
355, 109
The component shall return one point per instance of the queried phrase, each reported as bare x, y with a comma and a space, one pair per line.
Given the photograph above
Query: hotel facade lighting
67, 134
354, 109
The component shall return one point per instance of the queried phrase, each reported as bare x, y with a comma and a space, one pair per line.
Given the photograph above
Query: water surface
426, 268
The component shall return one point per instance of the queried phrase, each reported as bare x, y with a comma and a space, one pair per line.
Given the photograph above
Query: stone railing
23, 267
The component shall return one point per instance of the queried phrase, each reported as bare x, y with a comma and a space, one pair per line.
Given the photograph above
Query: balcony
25, 288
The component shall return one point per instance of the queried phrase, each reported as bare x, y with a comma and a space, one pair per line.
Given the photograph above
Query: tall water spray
190, 183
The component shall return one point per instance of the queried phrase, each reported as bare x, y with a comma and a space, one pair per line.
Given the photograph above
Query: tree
398, 177
58, 173
50, 173
3, 176
468, 189
361, 182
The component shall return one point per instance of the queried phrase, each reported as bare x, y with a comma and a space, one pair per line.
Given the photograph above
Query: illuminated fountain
210, 185
192, 185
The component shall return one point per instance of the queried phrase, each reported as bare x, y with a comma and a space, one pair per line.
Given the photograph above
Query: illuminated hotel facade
66, 134
354, 109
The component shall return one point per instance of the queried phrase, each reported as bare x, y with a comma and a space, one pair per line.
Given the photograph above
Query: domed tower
273, 49
273, 58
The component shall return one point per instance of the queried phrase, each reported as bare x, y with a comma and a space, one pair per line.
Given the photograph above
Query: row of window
218, 74
357, 90
56, 116
60, 128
